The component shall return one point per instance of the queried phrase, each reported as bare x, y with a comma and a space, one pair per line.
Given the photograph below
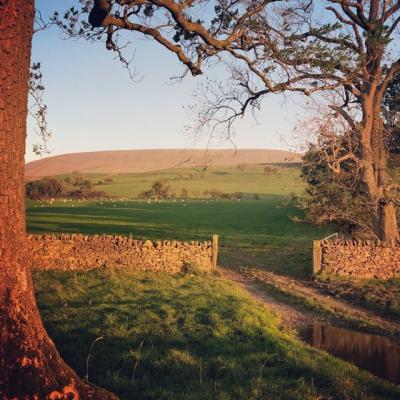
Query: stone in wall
76, 252
360, 259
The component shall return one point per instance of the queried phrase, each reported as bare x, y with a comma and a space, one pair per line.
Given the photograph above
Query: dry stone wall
76, 252
360, 259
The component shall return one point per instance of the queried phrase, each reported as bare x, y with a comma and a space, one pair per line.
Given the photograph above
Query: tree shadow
180, 337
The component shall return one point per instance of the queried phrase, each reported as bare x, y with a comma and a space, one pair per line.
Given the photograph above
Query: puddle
376, 354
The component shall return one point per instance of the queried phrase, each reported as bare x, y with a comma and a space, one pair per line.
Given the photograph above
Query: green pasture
250, 180
185, 337
191, 336
258, 233
252, 232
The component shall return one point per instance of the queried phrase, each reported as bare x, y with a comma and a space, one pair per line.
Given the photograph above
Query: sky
93, 105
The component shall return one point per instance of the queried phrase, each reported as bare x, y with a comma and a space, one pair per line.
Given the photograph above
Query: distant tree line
269, 170
160, 190
105, 181
74, 187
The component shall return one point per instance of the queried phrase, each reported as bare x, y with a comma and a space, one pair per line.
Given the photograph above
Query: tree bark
30, 366
387, 222
374, 171
374, 153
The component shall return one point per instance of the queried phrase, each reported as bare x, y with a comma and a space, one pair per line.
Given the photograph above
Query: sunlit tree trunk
374, 170
30, 366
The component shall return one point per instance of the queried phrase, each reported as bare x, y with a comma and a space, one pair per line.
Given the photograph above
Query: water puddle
376, 354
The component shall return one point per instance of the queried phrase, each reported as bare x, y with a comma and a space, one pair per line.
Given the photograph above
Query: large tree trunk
374, 153
383, 208
387, 222
30, 366
374, 171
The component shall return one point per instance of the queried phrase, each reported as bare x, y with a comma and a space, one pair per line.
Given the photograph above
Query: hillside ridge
137, 161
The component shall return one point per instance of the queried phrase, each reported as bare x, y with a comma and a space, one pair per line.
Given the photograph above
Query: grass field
227, 179
252, 232
186, 336
191, 336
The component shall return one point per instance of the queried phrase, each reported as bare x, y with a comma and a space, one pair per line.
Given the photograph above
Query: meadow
252, 232
263, 233
191, 335
248, 179
185, 337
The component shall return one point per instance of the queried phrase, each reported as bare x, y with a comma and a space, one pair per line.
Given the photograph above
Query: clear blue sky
92, 104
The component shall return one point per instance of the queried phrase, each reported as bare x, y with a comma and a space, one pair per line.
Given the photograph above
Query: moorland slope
136, 161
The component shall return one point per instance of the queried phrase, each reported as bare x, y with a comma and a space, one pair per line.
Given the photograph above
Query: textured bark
374, 153
387, 219
30, 366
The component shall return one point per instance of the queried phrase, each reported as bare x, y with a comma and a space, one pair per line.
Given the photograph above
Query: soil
289, 317
294, 315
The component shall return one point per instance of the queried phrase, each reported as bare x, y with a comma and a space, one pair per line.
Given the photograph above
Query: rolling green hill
135, 161
249, 179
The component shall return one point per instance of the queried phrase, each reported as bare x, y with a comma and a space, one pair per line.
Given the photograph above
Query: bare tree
30, 364
339, 49
271, 46
349, 49
335, 192
184, 194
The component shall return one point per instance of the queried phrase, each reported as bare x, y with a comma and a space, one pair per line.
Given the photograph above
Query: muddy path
298, 303
289, 317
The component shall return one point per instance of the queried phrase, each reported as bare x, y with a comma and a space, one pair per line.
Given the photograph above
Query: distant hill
136, 161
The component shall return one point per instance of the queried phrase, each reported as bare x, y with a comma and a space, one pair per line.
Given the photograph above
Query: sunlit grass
186, 337
382, 296
197, 180
259, 233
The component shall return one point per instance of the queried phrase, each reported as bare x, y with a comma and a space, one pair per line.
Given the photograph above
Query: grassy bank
380, 296
186, 337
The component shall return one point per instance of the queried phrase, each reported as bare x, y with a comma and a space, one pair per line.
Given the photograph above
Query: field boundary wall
82, 252
360, 259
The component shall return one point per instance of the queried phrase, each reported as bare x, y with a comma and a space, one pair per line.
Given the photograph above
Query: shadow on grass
260, 233
186, 337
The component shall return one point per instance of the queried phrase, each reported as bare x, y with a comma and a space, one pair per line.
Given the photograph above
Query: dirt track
299, 312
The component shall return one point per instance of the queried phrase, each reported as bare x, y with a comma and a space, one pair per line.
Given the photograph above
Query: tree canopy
341, 53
